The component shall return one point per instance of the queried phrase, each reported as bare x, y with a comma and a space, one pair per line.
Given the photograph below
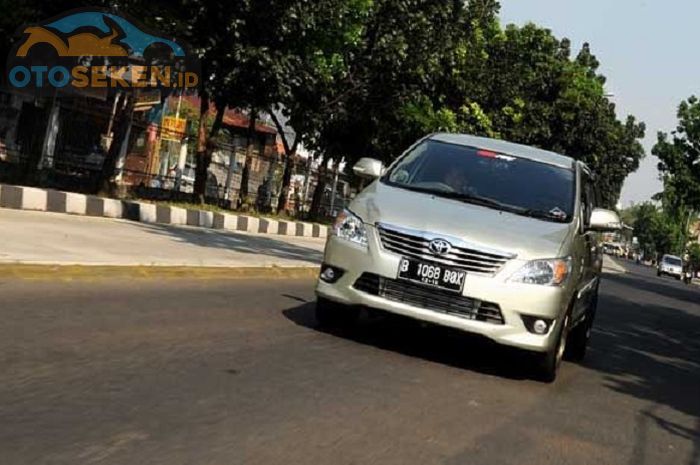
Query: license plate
432, 275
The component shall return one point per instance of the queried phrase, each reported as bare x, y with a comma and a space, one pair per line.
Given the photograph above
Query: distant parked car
670, 265
613, 249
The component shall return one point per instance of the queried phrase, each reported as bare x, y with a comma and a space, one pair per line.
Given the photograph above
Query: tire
332, 315
579, 337
548, 363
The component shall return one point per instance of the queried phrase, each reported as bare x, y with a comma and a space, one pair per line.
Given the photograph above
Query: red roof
232, 117
239, 120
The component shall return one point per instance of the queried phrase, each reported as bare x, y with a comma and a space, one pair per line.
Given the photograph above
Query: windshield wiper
492, 203
543, 215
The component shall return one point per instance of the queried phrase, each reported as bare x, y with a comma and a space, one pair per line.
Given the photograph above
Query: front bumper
514, 299
671, 272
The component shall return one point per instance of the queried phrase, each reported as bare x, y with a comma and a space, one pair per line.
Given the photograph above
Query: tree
538, 95
15, 14
209, 27
393, 68
357, 78
317, 51
679, 164
656, 230
679, 155
517, 83
694, 256
198, 22
269, 55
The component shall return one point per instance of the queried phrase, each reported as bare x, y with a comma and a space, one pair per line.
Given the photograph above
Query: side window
588, 198
595, 196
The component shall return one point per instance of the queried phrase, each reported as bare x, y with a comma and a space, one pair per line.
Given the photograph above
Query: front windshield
674, 261
499, 181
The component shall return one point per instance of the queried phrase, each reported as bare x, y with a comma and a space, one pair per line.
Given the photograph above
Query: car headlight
350, 227
551, 272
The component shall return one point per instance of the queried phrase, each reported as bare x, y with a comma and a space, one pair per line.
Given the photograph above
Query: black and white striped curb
32, 198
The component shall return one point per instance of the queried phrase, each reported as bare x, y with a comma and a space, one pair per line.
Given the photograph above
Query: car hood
529, 238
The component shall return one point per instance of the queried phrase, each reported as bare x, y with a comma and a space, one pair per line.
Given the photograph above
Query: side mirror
368, 168
604, 221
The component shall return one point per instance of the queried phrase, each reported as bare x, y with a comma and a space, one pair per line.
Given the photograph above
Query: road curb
100, 272
32, 198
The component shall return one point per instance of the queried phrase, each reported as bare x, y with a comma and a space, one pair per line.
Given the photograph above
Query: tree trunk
318, 191
106, 184
286, 181
202, 164
250, 146
205, 146
290, 152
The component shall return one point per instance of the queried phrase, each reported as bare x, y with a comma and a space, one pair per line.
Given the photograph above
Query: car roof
506, 148
671, 256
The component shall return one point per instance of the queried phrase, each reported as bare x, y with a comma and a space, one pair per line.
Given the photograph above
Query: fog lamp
330, 274
537, 325
540, 327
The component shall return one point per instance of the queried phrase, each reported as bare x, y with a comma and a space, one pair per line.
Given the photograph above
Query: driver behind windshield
456, 179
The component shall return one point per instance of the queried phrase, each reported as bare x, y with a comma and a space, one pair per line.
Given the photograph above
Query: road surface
173, 372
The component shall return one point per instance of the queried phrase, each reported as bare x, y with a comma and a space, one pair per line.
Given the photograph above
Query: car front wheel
581, 334
549, 362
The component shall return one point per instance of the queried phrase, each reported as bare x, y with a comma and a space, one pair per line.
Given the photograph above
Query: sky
647, 50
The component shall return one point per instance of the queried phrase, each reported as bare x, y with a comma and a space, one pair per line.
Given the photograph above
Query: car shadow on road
232, 241
426, 342
651, 351
646, 350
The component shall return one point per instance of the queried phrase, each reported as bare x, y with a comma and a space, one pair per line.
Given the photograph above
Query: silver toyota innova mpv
476, 234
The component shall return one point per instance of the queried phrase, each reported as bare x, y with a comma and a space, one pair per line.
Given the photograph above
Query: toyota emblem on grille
439, 246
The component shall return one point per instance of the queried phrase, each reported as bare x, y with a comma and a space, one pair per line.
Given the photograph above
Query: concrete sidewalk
28, 237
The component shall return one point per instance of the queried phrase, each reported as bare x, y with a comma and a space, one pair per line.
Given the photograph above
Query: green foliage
360, 78
424, 118
694, 255
390, 95
679, 163
657, 230
679, 158
473, 76
539, 96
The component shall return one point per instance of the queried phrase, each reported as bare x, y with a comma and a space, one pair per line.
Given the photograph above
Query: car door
591, 256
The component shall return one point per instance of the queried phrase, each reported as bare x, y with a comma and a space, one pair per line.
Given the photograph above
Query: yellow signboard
174, 128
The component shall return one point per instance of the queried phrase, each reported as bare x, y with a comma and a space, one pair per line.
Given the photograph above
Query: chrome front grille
463, 256
430, 298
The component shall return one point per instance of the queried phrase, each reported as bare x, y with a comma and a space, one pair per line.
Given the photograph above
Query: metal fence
62, 143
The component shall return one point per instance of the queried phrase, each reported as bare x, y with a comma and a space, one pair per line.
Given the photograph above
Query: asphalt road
236, 372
